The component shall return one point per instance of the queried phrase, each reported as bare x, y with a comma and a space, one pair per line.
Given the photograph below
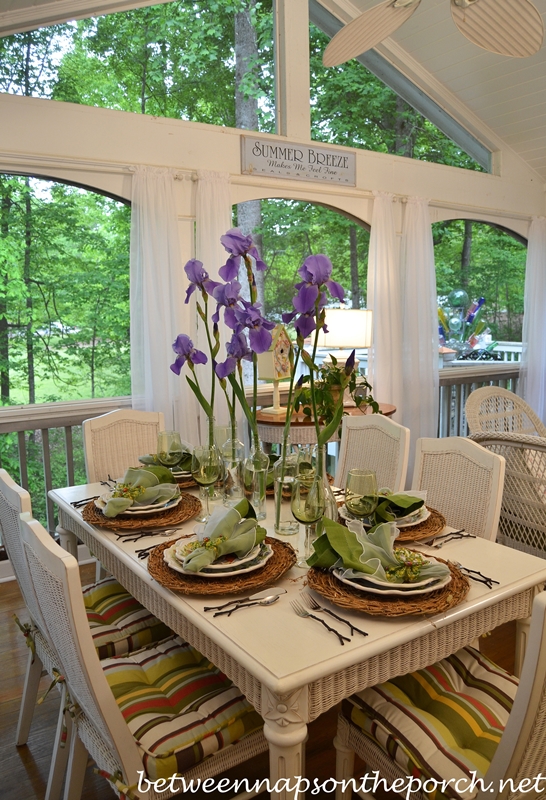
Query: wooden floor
24, 770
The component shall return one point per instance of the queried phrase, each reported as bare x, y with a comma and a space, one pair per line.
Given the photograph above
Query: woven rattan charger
188, 507
427, 529
284, 557
345, 596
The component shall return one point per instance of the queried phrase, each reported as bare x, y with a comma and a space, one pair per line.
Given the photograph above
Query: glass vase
233, 457
330, 503
255, 478
285, 471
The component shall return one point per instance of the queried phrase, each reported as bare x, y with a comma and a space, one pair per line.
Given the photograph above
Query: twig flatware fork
311, 603
302, 612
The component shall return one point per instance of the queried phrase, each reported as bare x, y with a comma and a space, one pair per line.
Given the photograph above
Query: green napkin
139, 487
355, 551
395, 506
228, 530
182, 466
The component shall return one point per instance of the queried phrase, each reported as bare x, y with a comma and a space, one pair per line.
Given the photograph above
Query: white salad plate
367, 583
264, 554
224, 562
404, 522
100, 502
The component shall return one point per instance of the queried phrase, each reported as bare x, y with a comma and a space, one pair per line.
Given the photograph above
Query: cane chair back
100, 726
376, 442
522, 523
114, 441
495, 410
519, 754
463, 481
13, 501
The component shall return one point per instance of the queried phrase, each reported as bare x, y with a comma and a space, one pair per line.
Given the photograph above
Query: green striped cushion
118, 622
441, 722
179, 707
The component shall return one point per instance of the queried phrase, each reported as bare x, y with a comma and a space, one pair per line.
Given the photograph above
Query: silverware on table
266, 601
84, 501
474, 575
302, 612
311, 603
443, 538
257, 596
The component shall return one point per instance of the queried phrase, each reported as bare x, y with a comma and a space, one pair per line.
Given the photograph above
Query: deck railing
56, 427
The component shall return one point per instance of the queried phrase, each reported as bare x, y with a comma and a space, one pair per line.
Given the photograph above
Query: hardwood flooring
24, 770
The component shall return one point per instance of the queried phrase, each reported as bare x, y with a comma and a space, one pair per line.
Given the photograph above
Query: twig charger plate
345, 596
284, 557
430, 527
188, 507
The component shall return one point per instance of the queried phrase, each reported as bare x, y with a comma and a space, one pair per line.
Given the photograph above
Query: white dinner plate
377, 586
265, 553
100, 502
410, 520
222, 563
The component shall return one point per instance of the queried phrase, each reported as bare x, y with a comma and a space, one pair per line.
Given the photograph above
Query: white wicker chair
13, 501
376, 442
99, 727
463, 481
114, 441
519, 754
495, 410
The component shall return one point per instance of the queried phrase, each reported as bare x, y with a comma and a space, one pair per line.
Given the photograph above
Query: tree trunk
403, 130
27, 279
355, 285
4, 338
249, 214
466, 254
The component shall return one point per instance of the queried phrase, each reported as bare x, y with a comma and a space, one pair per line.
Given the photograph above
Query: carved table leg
68, 540
286, 731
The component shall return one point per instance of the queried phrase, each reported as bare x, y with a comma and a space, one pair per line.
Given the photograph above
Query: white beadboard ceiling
507, 95
498, 99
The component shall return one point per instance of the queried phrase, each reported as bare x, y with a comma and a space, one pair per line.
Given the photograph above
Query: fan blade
507, 27
366, 31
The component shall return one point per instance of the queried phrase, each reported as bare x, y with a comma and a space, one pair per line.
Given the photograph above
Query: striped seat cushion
179, 707
118, 622
442, 722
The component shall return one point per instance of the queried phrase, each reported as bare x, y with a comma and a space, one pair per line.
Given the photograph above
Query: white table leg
286, 731
68, 540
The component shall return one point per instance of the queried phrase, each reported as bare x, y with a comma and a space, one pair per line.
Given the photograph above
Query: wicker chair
155, 682
114, 441
118, 624
463, 482
374, 441
519, 754
495, 410
522, 523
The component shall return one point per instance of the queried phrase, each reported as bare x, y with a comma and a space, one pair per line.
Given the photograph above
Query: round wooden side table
302, 430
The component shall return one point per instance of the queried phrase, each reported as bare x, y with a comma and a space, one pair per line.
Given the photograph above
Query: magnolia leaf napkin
183, 466
227, 530
358, 553
139, 487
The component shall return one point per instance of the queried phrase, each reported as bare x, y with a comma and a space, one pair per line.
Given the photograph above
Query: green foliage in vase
330, 380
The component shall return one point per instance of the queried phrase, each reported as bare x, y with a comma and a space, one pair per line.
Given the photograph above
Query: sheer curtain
157, 306
384, 298
533, 361
213, 219
420, 325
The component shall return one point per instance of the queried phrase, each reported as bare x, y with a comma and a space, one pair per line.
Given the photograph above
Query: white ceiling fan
507, 27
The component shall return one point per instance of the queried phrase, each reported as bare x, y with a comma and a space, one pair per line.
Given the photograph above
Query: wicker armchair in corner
495, 410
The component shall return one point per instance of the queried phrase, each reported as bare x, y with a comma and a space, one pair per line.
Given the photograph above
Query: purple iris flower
258, 327
225, 368
316, 271
227, 295
185, 351
305, 304
198, 278
238, 245
238, 350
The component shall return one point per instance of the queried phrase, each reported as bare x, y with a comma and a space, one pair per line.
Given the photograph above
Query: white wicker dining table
292, 669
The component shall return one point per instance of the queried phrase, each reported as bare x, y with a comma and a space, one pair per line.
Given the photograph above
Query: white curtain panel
213, 217
157, 307
533, 362
384, 298
420, 324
